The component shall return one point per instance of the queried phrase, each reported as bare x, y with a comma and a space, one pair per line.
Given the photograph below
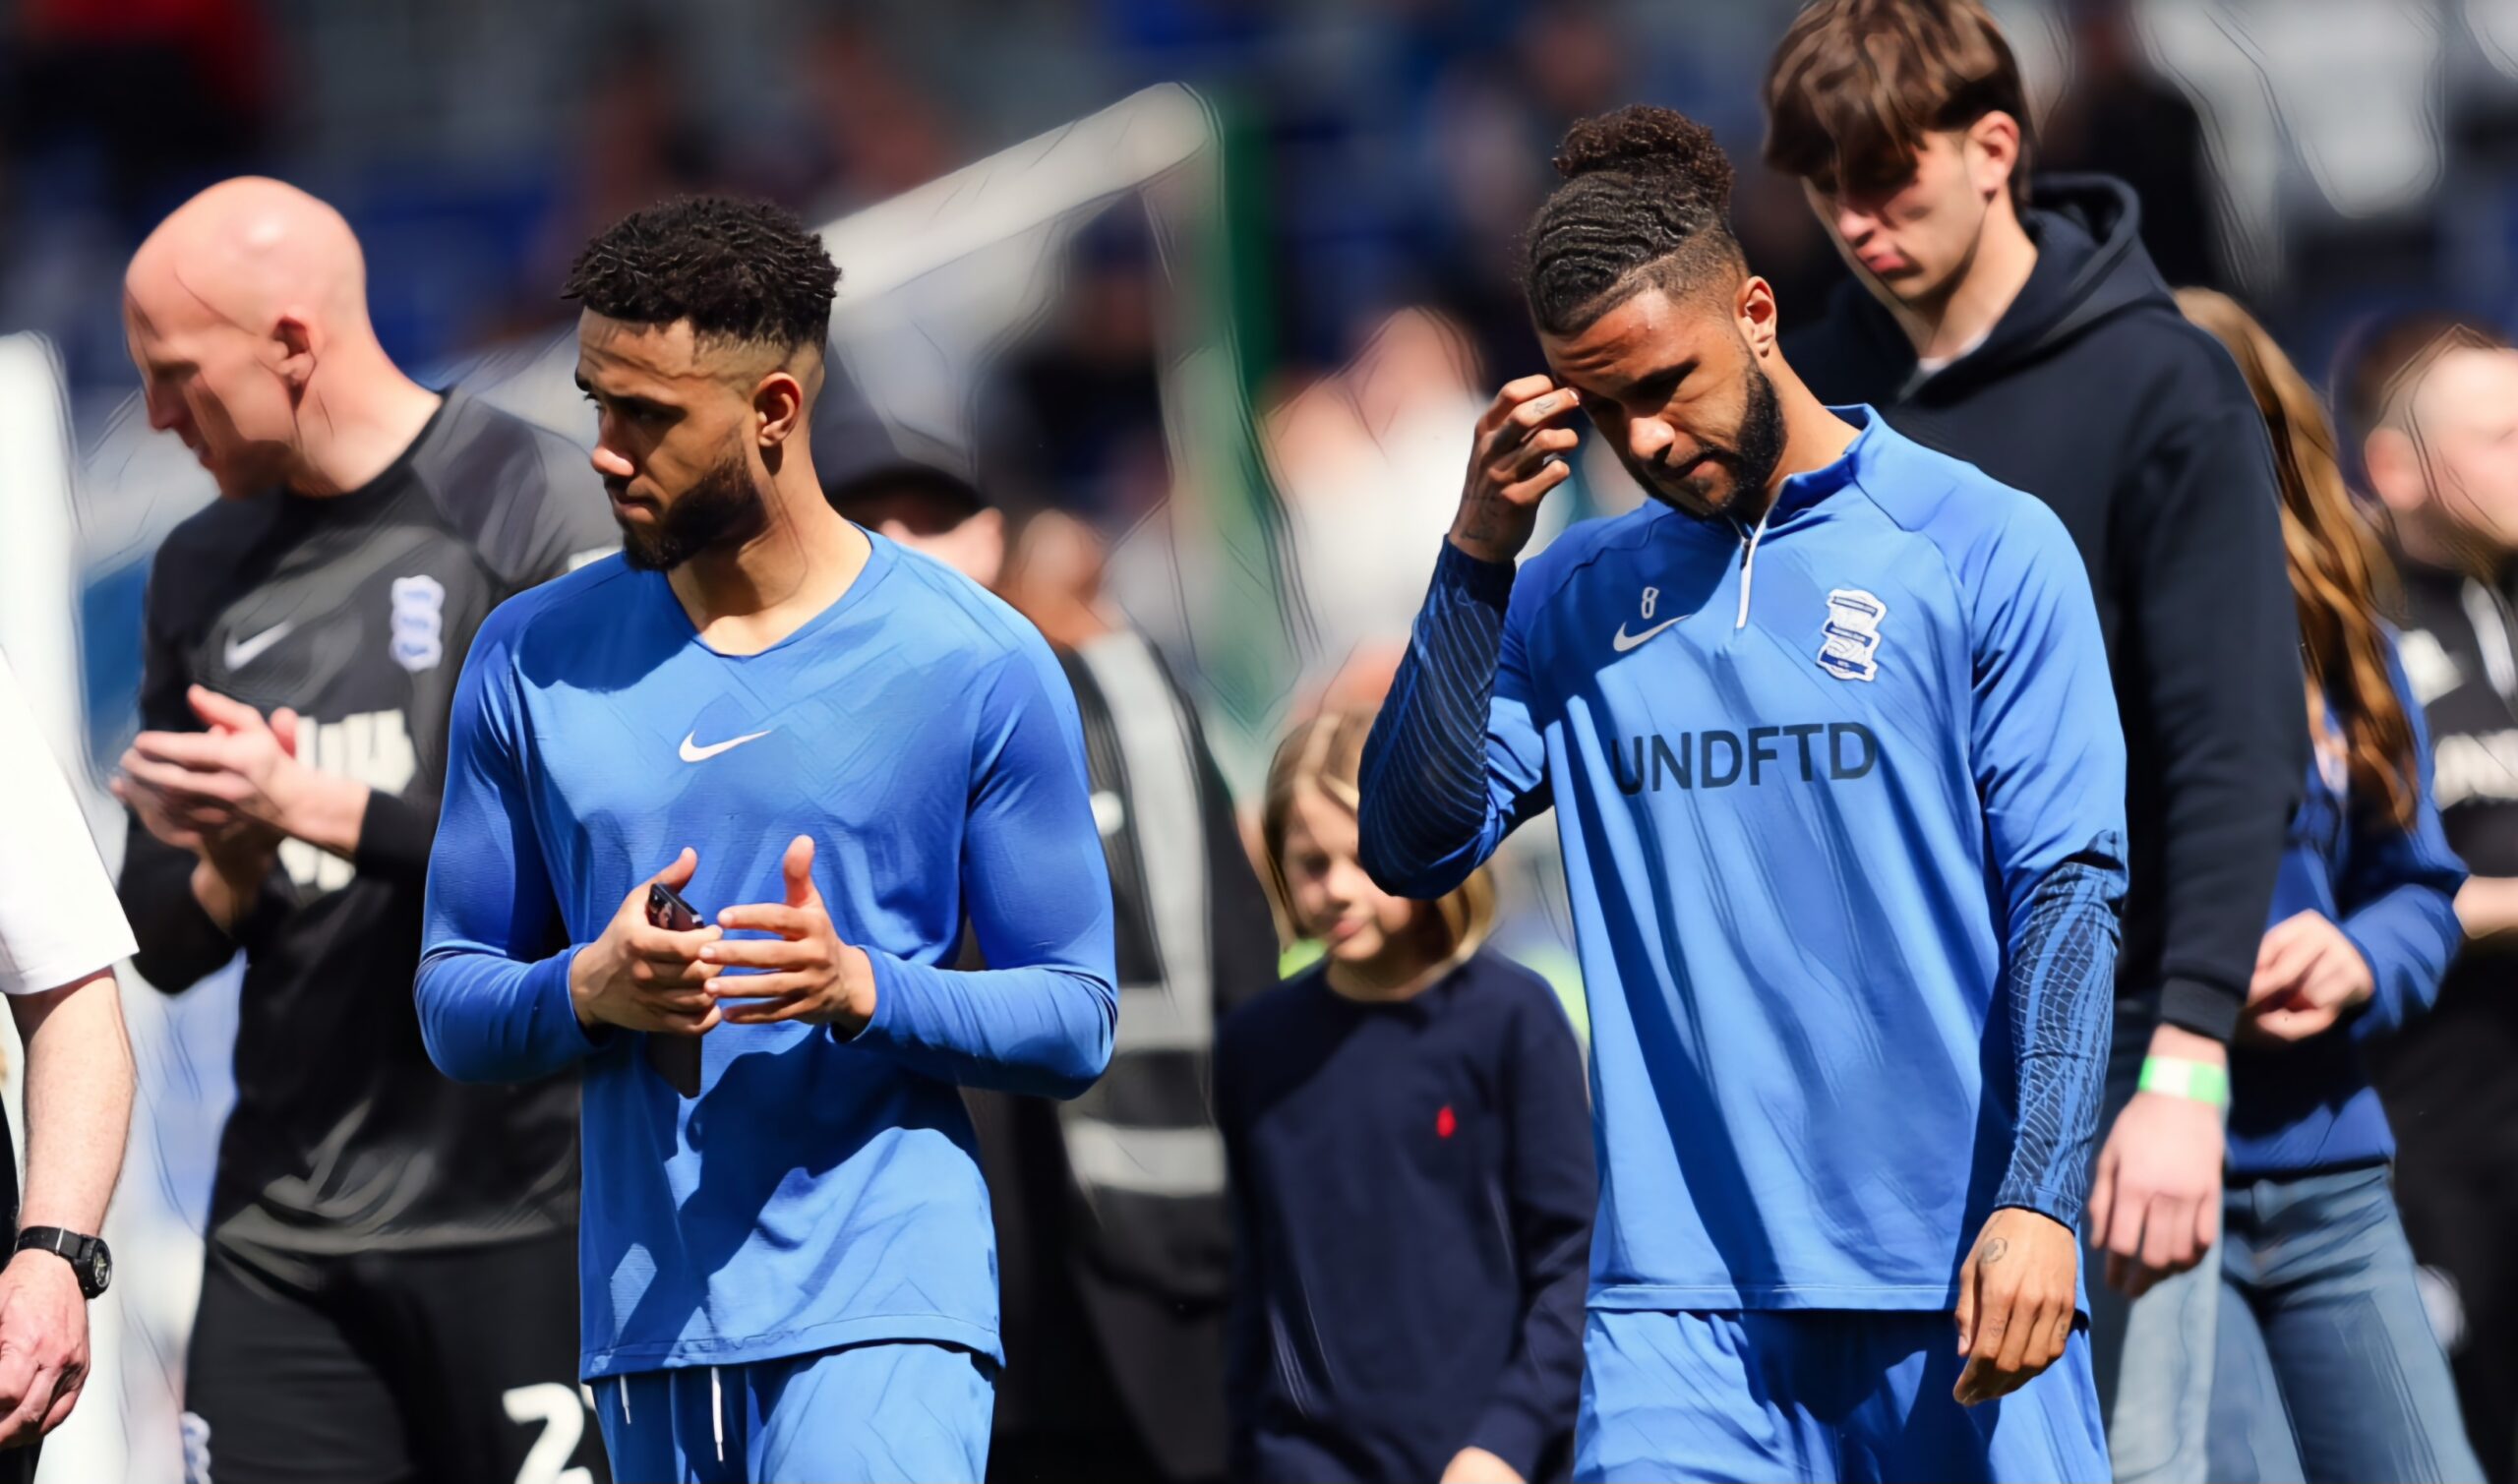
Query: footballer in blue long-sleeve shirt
836, 751
1838, 776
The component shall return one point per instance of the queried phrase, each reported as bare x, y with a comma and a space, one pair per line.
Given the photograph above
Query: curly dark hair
1646, 204
737, 269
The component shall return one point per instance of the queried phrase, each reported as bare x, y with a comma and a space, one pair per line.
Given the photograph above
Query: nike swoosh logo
240, 653
1626, 642
691, 751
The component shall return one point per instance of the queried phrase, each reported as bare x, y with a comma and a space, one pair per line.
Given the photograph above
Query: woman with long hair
2326, 1366
1409, 1153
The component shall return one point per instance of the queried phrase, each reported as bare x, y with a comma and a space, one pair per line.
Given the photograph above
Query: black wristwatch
85, 1255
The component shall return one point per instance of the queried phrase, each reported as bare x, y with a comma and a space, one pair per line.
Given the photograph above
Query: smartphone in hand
667, 909
676, 1058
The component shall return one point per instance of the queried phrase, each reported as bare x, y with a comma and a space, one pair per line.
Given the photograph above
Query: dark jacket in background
2447, 1079
2095, 394
1114, 1244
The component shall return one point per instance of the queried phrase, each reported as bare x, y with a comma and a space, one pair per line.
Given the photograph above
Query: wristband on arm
2195, 1081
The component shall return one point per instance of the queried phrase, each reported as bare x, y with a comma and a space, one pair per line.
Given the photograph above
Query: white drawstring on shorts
625, 1399
717, 1413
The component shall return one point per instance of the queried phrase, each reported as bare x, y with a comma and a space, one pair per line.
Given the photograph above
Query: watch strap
75, 1248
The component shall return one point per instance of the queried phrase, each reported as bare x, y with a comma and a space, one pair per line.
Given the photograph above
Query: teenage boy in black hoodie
2022, 326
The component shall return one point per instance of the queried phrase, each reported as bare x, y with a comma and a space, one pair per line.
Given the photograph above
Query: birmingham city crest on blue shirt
1851, 647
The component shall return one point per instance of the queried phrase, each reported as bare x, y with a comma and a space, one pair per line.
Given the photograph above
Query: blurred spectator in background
929, 510
1412, 1176
2119, 118
2438, 400
2023, 328
1075, 418
2325, 1364
1367, 462
638, 140
1113, 1246
158, 95
879, 133
1489, 120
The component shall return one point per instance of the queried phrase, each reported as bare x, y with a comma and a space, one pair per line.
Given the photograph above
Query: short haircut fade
735, 269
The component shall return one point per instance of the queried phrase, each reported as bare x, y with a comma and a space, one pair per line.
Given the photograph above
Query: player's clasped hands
226, 785
2017, 1295
644, 977
806, 972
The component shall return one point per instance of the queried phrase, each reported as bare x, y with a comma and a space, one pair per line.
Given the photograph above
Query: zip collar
1811, 485
1804, 491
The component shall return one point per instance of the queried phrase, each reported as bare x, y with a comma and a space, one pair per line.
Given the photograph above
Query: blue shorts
905, 1410
1820, 1394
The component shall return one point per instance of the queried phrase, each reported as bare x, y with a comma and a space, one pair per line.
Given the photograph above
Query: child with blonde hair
1409, 1151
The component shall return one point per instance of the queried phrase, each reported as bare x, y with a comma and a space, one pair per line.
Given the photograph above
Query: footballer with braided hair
1827, 725
716, 811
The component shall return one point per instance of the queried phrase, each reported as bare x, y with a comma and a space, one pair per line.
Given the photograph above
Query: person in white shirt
61, 932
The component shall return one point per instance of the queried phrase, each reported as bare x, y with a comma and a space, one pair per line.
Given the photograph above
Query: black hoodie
2095, 394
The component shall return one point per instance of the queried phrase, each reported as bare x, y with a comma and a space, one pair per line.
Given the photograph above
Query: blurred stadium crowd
2331, 163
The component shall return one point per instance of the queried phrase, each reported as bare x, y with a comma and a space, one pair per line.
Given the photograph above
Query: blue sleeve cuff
2061, 1206
883, 1027
2385, 1011
547, 990
1489, 582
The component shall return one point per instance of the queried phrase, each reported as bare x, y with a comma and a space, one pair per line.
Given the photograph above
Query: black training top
2446, 1077
356, 610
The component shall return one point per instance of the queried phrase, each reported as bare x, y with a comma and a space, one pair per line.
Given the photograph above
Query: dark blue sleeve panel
1552, 1192
2399, 895
1454, 761
2060, 980
2050, 770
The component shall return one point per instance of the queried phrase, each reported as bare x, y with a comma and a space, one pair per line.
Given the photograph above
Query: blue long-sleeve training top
1413, 1193
1841, 803
2393, 891
818, 1191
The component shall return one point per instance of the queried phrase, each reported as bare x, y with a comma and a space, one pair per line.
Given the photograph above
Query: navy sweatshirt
1413, 1193
2393, 890
2094, 394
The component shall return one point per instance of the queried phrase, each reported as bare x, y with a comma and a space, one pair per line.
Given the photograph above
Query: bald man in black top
390, 1284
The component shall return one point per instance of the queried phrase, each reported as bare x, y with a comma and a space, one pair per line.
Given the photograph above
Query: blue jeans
2326, 1367
2153, 1356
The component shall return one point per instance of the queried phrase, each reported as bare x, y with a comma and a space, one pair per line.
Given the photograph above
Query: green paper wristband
2195, 1081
